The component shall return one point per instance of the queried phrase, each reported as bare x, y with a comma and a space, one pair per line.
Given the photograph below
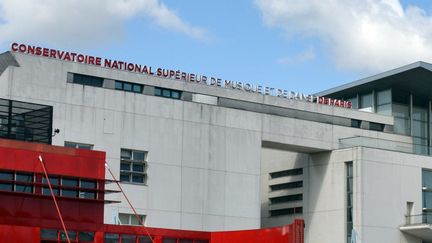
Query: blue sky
305, 46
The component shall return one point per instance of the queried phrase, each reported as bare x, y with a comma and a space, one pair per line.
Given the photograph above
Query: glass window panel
401, 126
134, 220
138, 155
87, 194
6, 175
46, 191
118, 85
349, 170
69, 193
383, 97
124, 177
137, 88
69, 182
166, 93
111, 238
185, 241
385, 109
70, 145
201, 241
24, 188
138, 178
427, 200
126, 154
128, 238
355, 123
350, 184
53, 180
72, 235
88, 184
175, 94
420, 113
86, 236
125, 166
6, 187
144, 239
127, 86
158, 91
24, 177
401, 110
427, 178
124, 218
138, 167
354, 102
420, 129
365, 100
84, 146
169, 240
48, 234
349, 200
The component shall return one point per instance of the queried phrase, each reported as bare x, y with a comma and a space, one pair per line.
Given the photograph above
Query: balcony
25, 121
384, 144
419, 225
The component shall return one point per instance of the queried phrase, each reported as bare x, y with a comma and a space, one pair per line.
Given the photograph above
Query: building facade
198, 153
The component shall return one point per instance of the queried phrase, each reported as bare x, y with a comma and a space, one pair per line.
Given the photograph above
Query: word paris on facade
173, 74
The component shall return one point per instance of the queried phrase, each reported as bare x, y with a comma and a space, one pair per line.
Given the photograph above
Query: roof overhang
415, 78
421, 231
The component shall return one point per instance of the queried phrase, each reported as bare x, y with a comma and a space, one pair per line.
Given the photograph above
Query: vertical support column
373, 102
358, 101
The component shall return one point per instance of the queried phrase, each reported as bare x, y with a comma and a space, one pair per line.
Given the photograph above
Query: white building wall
205, 161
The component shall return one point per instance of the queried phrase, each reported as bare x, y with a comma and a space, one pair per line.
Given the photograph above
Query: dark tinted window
25, 177
289, 185
87, 80
286, 211
86, 236
283, 173
288, 198
6, 175
69, 182
48, 234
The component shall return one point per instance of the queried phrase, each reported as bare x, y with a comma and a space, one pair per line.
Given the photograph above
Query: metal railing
25, 121
424, 218
385, 144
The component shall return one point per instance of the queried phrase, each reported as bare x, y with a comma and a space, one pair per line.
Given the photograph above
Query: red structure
28, 213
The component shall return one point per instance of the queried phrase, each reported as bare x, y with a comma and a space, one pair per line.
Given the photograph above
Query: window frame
131, 162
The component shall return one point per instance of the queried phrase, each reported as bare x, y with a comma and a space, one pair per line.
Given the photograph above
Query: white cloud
83, 21
363, 35
306, 55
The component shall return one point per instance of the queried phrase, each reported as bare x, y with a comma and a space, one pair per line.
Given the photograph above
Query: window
130, 219
376, 126
289, 185
384, 100
128, 238
144, 239
78, 145
129, 87
168, 93
87, 80
133, 166
286, 211
356, 123
283, 173
349, 199
25, 178
288, 198
366, 101
111, 238
54, 183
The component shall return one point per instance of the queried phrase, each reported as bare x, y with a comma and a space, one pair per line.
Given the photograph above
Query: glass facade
349, 200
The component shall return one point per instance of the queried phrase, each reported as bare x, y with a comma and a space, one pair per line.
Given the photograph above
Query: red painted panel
23, 156
19, 234
292, 233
